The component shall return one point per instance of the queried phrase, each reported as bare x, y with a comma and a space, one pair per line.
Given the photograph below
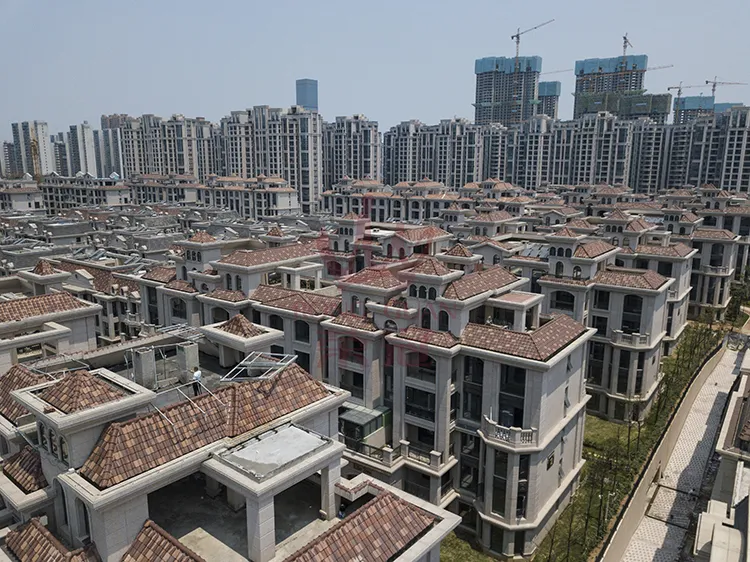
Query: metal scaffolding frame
270, 363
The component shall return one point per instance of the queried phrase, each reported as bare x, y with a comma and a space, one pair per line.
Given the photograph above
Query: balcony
352, 356
356, 391
672, 294
385, 455
132, 318
421, 453
634, 340
715, 269
421, 373
513, 436
422, 492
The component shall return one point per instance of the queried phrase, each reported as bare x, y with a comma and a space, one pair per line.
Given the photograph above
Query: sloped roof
297, 301
679, 250
459, 251
398, 302
43, 267
32, 542
227, 295
180, 285
713, 234
126, 449
422, 234
103, 280
251, 258
240, 326
161, 274
154, 544
378, 276
79, 391
430, 266
16, 378
593, 249
471, 284
25, 470
539, 345
351, 320
632, 278
581, 224
564, 232
618, 215
638, 225
18, 309
351, 216
275, 231
202, 237
493, 216
689, 217
376, 532
431, 337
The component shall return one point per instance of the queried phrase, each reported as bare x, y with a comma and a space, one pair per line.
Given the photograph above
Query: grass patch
454, 549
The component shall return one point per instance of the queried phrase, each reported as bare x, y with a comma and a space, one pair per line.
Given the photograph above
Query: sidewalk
661, 532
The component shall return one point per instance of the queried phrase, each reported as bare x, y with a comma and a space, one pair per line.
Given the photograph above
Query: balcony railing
715, 269
672, 294
357, 391
446, 488
419, 373
422, 492
514, 436
419, 452
133, 318
352, 356
386, 455
618, 336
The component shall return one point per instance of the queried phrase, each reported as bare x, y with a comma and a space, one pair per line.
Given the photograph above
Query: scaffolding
188, 333
259, 365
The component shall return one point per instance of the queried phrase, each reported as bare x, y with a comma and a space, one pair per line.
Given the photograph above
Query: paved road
661, 532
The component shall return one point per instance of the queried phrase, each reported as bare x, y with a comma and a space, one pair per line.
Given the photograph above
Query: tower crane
517, 38
714, 83
677, 108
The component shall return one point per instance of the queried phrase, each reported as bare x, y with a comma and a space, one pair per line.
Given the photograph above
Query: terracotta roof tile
540, 344
564, 232
32, 542
161, 274
43, 267
103, 280
493, 216
226, 295
689, 217
297, 301
202, 237
566, 280
713, 234
18, 309
581, 224
459, 251
180, 285
275, 231
377, 532
618, 215
398, 302
638, 225
351, 320
153, 543
351, 217
593, 249
422, 234
378, 276
16, 378
240, 326
79, 391
632, 278
25, 470
126, 449
472, 284
431, 337
251, 258
673, 250
430, 266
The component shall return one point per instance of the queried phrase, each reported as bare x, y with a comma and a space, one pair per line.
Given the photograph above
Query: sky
69, 61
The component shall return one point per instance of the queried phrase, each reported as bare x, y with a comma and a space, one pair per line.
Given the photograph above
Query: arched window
276, 322
390, 326
301, 331
576, 272
346, 245
52, 442
412, 290
552, 252
562, 300
495, 259
355, 304
184, 273
422, 292
204, 287
228, 282
63, 449
682, 229
334, 268
716, 205
199, 257
389, 250
42, 435
432, 294
560, 252
619, 229
568, 253
401, 253
708, 204
443, 321
608, 228
335, 246
559, 268
670, 227
426, 318
179, 309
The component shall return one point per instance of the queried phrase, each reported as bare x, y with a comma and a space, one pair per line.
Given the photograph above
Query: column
328, 478
261, 529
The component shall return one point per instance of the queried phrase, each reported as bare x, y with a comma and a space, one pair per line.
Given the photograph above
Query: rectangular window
420, 403
601, 300
600, 323
623, 372
499, 490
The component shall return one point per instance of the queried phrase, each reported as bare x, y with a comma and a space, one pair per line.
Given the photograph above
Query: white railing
618, 336
515, 436
716, 269
672, 294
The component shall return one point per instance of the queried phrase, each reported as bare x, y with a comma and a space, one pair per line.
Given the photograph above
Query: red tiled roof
351, 216
619, 215
564, 232
126, 449
713, 234
180, 285
431, 337
638, 225
154, 544
18, 309
673, 250
689, 217
226, 295
378, 276
539, 345
32, 542
632, 278
161, 274
581, 224
79, 391
297, 301
398, 302
25, 470
566, 280
250, 258
238, 325
43, 267
275, 231
430, 266
422, 234
493, 216
472, 284
202, 237
103, 280
351, 320
16, 378
459, 251
377, 532
593, 249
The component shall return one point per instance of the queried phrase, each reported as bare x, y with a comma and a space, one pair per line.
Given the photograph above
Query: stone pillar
235, 500
519, 320
226, 356
328, 478
212, 487
144, 367
187, 358
261, 529
435, 490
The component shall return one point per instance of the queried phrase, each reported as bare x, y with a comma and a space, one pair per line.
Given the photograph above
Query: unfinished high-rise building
599, 76
507, 89
549, 98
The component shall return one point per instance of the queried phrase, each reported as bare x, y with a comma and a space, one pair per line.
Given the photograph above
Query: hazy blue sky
72, 60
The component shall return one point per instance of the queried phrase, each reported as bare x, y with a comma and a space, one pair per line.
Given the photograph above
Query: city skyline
395, 72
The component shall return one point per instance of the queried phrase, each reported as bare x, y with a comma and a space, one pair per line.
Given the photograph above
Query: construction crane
714, 83
625, 44
517, 38
677, 108
557, 71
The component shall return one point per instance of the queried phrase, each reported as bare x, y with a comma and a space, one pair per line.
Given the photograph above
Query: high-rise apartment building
506, 92
351, 148
114, 121
690, 108
60, 150
237, 139
307, 94
401, 152
108, 146
615, 74
648, 167
81, 150
7, 160
32, 148
494, 151
549, 98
